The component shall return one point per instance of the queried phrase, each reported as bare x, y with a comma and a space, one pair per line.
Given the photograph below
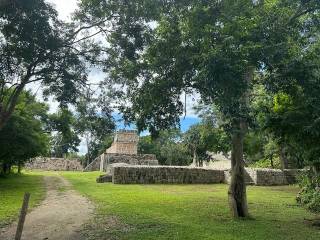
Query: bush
309, 195
266, 163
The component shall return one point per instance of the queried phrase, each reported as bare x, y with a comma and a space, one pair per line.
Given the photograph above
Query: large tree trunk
237, 189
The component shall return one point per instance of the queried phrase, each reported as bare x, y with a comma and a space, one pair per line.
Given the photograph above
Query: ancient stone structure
125, 142
54, 164
121, 173
269, 177
123, 150
123, 165
138, 159
141, 174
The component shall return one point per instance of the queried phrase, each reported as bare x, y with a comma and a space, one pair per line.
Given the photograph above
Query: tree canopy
24, 136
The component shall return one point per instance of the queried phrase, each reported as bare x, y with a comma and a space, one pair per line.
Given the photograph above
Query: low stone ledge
145, 174
122, 173
273, 177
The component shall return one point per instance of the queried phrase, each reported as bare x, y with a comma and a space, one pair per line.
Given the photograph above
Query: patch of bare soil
60, 216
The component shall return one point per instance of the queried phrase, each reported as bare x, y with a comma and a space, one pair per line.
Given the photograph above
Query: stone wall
121, 173
268, 177
129, 174
54, 164
249, 176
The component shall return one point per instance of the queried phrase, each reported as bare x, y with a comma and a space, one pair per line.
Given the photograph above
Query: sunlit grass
195, 211
12, 189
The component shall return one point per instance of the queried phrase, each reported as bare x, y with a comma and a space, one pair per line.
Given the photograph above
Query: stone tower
124, 142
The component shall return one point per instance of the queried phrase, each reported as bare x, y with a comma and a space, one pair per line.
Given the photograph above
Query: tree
295, 112
35, 47
203, 138
95, 124
192, 139
65, 137
23, 137
168, 147
160, 49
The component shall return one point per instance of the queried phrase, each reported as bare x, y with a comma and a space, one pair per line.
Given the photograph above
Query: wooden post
22, 217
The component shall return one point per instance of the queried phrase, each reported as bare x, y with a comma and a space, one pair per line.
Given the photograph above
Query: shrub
266, 163
309, 195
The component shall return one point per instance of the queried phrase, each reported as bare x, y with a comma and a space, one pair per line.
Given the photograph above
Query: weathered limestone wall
54, 164
249, 176
125, 142
128, 174
269, 177
121, 173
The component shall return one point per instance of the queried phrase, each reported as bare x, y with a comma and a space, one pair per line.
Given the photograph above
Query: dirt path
60, 216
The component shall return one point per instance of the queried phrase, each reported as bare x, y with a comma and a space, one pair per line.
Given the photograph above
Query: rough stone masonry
123, 165
121, 173
54, 164
124, 149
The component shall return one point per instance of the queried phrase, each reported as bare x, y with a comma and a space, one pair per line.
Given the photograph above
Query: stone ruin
123, 165
54, 164
124, 149
121, 173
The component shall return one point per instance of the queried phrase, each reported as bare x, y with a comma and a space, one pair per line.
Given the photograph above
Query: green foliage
295, 112
266, 163
65, 138
202, 138
260, 149
23, 137
189, 212
253, 146
95, 124
36, 47
309, 195
168, 148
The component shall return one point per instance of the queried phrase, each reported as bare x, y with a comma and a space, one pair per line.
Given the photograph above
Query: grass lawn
191, 212
12, 189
